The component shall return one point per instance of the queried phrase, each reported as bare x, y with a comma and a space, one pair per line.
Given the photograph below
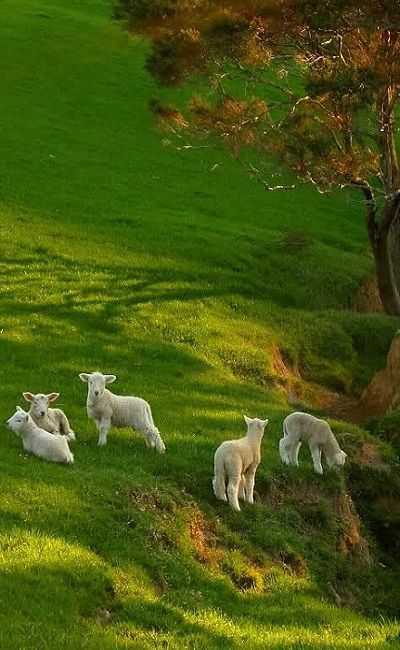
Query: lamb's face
40, 403
17, 421
96, 382
339, 460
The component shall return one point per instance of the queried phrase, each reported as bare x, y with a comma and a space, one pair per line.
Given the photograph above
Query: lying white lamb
37, 441
238, 460
303, 427
107, 409
52, 420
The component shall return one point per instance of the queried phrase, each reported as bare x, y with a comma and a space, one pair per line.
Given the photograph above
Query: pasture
177, 273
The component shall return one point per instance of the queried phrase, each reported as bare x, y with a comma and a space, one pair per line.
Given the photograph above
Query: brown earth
380, 396
301, 394
370, 456
202, 534
383, 392
367, 299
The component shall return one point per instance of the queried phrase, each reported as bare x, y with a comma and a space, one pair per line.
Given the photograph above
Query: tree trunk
395, 250
379, 232
386, 283
380, 238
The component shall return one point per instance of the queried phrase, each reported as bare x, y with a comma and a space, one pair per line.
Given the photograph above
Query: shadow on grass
81, 585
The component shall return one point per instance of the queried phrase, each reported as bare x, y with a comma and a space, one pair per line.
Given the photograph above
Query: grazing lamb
238, 460
37, 441
52, 420
303, 427
107, 409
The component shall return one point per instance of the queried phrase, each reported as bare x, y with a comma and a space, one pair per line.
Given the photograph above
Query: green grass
120, 255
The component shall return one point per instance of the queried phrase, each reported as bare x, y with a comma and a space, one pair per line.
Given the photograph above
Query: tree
314, 83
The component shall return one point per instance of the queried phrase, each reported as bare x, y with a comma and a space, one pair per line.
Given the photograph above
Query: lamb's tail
285, 431
160, 447
150, 421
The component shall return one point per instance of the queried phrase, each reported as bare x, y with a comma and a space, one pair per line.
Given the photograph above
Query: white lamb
39, 442
52, 420
107, 409
303, 427
238, 460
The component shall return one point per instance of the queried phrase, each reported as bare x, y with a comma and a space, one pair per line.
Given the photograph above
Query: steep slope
192, 286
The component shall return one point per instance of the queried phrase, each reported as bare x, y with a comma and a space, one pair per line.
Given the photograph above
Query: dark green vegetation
120, 255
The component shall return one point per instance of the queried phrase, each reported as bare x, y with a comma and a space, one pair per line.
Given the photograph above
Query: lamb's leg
233, 491
65, 428
295, 454
250, 479
316, 456
283, 450
242, 485
149, 439
103, 427
219, 487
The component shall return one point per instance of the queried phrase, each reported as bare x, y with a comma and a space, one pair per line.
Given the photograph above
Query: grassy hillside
189, 284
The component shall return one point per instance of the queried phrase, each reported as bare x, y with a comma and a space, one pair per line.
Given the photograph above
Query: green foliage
143, 9
122, 256
377, 494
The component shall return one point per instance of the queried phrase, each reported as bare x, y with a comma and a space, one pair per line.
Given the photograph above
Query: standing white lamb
303, 427
52, 420
238, 460
37, 441
107, 409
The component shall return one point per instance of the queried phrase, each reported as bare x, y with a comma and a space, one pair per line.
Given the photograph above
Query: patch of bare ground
338, 406
202, 533
366, 300
303, 395
383, 392
287, 376
144, 500
210, 550
351, 542
370, 456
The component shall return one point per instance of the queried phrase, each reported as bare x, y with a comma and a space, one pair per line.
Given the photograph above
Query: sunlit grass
120, 255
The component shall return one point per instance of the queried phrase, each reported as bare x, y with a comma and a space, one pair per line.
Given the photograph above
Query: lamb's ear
110, 378
29, 397
18, 408
264, 423
84, 376
52, 396
247, 420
